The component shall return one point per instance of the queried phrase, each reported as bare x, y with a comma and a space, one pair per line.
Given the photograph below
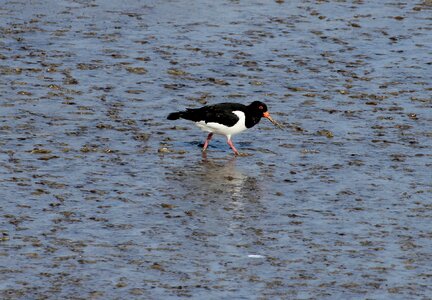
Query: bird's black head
258, 107
258, 110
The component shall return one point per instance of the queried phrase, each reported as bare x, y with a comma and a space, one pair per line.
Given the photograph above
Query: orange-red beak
267, 116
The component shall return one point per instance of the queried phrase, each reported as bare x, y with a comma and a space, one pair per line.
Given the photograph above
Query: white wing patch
225, 130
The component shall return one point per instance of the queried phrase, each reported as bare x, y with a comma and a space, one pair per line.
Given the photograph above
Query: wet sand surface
103, 198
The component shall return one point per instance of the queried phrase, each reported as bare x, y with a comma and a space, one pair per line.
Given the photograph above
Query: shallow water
336, 206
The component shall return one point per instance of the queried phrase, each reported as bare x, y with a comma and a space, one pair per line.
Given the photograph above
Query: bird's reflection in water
225, 197
218, 186
225, 178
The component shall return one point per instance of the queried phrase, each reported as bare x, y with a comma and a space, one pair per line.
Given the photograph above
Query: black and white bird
225, 118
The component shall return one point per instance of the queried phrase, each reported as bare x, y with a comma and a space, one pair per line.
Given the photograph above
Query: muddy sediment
103, 198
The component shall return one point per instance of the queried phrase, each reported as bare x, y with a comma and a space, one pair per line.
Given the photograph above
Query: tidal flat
103, 198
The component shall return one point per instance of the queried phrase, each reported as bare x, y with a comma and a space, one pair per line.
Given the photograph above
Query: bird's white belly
223, 129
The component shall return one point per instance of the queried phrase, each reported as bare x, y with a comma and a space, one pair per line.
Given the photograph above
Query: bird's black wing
220, 113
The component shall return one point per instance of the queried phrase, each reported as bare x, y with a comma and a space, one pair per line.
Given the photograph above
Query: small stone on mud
156, 266
256, 82
136, 291
164, 150
137, 70
141, 137
4, 236
167, 206
24, 93
40, 151
412, 116
176, 72
218, 81
54, 87
70, 81
48, 157
326, 133
242, 154
121, 284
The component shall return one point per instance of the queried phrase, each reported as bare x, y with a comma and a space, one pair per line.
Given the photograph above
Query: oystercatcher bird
225, 118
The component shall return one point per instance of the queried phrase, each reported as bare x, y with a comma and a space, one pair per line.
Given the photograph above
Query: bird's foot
207, 141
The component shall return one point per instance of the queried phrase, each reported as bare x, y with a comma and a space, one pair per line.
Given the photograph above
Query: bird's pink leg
206, 143
232, 146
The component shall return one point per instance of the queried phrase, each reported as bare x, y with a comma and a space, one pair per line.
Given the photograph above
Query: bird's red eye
260, 107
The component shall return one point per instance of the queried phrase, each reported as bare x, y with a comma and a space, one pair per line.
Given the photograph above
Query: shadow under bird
226, 119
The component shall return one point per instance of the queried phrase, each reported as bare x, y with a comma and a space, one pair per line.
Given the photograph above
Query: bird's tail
175, 115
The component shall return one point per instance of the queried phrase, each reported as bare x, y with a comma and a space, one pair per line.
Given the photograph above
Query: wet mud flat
103, 198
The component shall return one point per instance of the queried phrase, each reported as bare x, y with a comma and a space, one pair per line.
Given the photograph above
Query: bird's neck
252, 119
